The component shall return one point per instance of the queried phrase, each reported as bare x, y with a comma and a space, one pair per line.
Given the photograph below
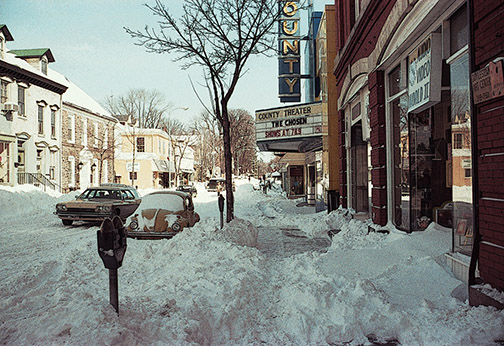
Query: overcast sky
92, 49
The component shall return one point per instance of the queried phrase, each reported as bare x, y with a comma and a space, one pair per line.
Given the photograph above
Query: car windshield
162, 201
101, 194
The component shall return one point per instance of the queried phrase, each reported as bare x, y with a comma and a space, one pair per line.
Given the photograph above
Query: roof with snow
74, 96
33, 53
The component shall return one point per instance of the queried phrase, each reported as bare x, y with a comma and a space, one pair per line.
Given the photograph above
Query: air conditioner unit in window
9, 107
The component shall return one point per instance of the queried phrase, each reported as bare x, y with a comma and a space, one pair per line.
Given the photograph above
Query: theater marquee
290, 129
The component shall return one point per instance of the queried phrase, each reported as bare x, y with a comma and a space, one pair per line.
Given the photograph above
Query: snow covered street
272, 276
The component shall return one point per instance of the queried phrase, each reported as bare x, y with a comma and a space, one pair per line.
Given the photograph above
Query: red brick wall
488, 42
365, 36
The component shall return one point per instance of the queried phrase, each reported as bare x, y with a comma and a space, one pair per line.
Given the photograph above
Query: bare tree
209, 147
242, 139
148, 107
181, 138
105, 147
219, 36
145, 109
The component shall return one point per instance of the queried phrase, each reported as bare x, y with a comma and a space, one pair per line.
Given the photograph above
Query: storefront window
399, 109
296, 180
461, 155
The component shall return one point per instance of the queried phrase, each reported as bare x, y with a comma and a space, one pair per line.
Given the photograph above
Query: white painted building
30, 117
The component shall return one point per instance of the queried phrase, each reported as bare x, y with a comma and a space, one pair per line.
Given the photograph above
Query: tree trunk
228, 165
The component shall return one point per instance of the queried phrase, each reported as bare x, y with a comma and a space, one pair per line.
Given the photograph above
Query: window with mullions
3, 91
41, 120
53, 123
21, 101
398, 109
140, 143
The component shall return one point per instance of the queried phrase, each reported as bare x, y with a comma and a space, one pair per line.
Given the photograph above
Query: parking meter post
221, 209
114, 289
111, 247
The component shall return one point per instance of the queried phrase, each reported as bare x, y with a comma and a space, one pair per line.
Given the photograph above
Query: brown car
162, 214
97, 203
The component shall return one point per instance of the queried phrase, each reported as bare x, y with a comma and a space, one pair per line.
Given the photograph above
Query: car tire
67, 222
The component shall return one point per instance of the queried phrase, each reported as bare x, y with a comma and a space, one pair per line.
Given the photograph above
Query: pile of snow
223, 286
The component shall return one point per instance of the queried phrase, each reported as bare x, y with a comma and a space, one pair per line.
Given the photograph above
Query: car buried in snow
162, 214
99, 202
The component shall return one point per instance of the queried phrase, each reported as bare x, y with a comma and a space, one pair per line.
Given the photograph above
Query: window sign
424, 74
488, 82
129, 166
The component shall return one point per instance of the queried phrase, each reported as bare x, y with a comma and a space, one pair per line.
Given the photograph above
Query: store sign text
424, 74
488, 82
283, 133
289, 71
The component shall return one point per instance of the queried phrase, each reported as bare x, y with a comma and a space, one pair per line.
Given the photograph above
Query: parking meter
111, 248
221, 209
112, 242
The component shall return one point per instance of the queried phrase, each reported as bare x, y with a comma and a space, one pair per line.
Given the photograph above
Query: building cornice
26, 76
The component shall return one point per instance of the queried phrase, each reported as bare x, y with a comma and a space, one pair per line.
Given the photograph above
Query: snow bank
211, 286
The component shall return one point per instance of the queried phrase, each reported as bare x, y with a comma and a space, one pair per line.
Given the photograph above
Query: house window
458, 141
105, 140
133, 176
71, 169
105, 171
4, 168
3, 93
53, 123
84, 132
71, 128
141, 144
21, 101
41, 120
52, 167
96, 134
43, 66
468, 172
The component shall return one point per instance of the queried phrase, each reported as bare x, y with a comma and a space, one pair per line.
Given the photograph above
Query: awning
162, 166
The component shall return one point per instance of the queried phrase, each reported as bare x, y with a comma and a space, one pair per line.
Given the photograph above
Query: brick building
487, 54
87, 141
408, 120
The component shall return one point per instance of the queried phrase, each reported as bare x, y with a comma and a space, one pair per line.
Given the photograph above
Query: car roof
107, 188
169, 192
117, 185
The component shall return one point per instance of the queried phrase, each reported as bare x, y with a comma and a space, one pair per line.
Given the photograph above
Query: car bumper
82, 217
151, 235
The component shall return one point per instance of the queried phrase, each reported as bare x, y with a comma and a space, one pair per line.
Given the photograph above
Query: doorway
359, 171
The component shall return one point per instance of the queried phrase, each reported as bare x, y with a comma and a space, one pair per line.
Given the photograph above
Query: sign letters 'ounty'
289, 71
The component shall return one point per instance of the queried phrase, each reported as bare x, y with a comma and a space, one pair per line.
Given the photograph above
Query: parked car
162, 214
190, 189
218, 184
97, 203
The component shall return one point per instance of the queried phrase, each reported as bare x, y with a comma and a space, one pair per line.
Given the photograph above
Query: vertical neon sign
289, 57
